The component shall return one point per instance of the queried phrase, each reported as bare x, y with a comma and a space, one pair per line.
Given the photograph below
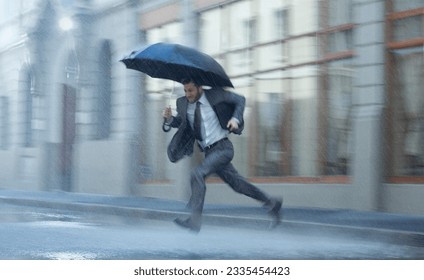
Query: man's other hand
233, 124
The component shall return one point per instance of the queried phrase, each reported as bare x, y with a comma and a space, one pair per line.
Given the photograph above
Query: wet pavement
40, 233
59, 225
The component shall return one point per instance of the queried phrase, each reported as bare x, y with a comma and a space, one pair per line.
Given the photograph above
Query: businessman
207, 117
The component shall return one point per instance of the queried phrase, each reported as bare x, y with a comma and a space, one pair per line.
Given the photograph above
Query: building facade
334, 94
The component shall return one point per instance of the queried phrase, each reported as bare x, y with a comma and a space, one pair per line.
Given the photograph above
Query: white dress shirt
211, 128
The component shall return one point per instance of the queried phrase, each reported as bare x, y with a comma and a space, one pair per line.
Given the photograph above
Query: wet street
32, 233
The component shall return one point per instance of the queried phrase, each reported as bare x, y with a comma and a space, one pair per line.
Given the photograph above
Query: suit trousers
218, 160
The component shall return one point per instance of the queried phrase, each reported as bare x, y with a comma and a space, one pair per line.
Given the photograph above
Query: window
31, 106
403, 5
405, 68
340, 26
340, 41
340, 12
271, 117
211, 40
336, 91
26, 86
340, 77
408, 28
239, 24
38, 124
250, 31
281, 23
408, 110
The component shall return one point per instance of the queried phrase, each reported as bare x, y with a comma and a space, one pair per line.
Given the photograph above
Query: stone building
334, 98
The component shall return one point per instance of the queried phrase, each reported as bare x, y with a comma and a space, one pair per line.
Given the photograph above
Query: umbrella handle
165, 127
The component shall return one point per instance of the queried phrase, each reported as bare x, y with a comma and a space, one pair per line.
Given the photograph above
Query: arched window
26, 87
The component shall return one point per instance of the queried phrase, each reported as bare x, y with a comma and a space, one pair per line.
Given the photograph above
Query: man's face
192, 92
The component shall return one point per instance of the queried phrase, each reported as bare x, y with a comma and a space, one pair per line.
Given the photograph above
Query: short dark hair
185, 81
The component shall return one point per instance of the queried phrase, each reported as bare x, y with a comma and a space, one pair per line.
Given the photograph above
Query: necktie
197, 122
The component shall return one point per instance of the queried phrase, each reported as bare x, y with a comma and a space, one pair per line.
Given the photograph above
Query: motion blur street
45, 233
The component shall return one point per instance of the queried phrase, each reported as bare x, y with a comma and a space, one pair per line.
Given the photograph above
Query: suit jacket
226, 105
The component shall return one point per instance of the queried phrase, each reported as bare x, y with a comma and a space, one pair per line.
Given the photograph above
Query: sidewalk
393, 228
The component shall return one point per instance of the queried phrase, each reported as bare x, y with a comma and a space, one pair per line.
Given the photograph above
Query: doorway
68, 136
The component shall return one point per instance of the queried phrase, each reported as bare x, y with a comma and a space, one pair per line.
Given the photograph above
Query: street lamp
66, 23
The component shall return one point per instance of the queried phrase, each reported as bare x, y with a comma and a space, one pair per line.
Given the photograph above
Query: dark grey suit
225, 104
218, 158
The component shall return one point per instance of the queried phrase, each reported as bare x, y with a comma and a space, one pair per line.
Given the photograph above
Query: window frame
392, 44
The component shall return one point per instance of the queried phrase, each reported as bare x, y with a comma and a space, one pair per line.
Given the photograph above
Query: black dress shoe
275, 207
188, 224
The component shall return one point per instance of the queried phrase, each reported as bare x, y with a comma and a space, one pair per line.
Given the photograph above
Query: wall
103, 167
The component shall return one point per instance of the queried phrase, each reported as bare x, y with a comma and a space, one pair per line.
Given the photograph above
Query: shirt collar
203, 99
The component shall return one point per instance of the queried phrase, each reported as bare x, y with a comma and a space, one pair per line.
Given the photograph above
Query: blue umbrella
176, 62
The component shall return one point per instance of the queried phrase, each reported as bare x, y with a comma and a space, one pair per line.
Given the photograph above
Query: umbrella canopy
176, 62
